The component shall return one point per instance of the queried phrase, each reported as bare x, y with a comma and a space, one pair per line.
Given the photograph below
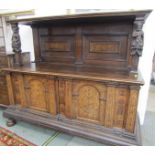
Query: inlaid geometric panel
37, 94
58, 46
105, 47
88, 103
89, 99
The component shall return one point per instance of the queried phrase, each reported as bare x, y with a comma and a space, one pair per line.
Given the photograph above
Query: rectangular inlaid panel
58, 46
105, 47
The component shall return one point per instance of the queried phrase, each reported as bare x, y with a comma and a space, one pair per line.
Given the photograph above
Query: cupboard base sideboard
100, 107
85, 79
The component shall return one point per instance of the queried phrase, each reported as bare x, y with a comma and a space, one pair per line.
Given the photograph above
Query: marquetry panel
89, 100
102, 47
88, 103
105, 47
40, 93
56, 45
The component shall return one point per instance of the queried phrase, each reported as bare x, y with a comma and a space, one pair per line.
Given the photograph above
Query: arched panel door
40, 94
89, 99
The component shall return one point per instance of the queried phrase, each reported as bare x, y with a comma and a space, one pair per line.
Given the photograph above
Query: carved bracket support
137, 43
137, 37
16, 44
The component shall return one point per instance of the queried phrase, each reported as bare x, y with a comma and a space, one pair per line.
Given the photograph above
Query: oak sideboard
84, 80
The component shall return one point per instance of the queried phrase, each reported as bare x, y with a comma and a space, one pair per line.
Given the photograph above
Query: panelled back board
101, 43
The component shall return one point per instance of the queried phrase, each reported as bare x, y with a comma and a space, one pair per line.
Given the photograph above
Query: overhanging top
109, 15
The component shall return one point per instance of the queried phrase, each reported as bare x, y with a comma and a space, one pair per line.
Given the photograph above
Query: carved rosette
137, 38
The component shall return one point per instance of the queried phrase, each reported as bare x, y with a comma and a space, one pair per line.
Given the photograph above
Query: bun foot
10, 122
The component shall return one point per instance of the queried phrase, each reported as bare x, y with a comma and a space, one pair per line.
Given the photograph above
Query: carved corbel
16, 44
137, 38
137, 42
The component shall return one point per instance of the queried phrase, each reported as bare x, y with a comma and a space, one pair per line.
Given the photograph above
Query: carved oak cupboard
84, 80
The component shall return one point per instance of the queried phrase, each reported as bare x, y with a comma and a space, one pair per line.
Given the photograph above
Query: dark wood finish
107, 40
10, 122
16, 44
91, 131
84, 80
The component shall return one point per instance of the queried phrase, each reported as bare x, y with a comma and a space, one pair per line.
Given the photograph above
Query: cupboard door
89, 100
40, 93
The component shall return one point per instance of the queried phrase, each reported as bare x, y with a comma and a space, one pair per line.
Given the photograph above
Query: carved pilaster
16, 43
137, 42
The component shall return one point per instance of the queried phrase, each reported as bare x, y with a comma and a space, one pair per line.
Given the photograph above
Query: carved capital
137, 37
16, 43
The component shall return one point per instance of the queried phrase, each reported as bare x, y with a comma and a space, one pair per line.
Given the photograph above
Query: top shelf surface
122, 14
76, 73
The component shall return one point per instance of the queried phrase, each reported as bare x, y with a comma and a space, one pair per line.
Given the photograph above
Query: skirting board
74, 127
